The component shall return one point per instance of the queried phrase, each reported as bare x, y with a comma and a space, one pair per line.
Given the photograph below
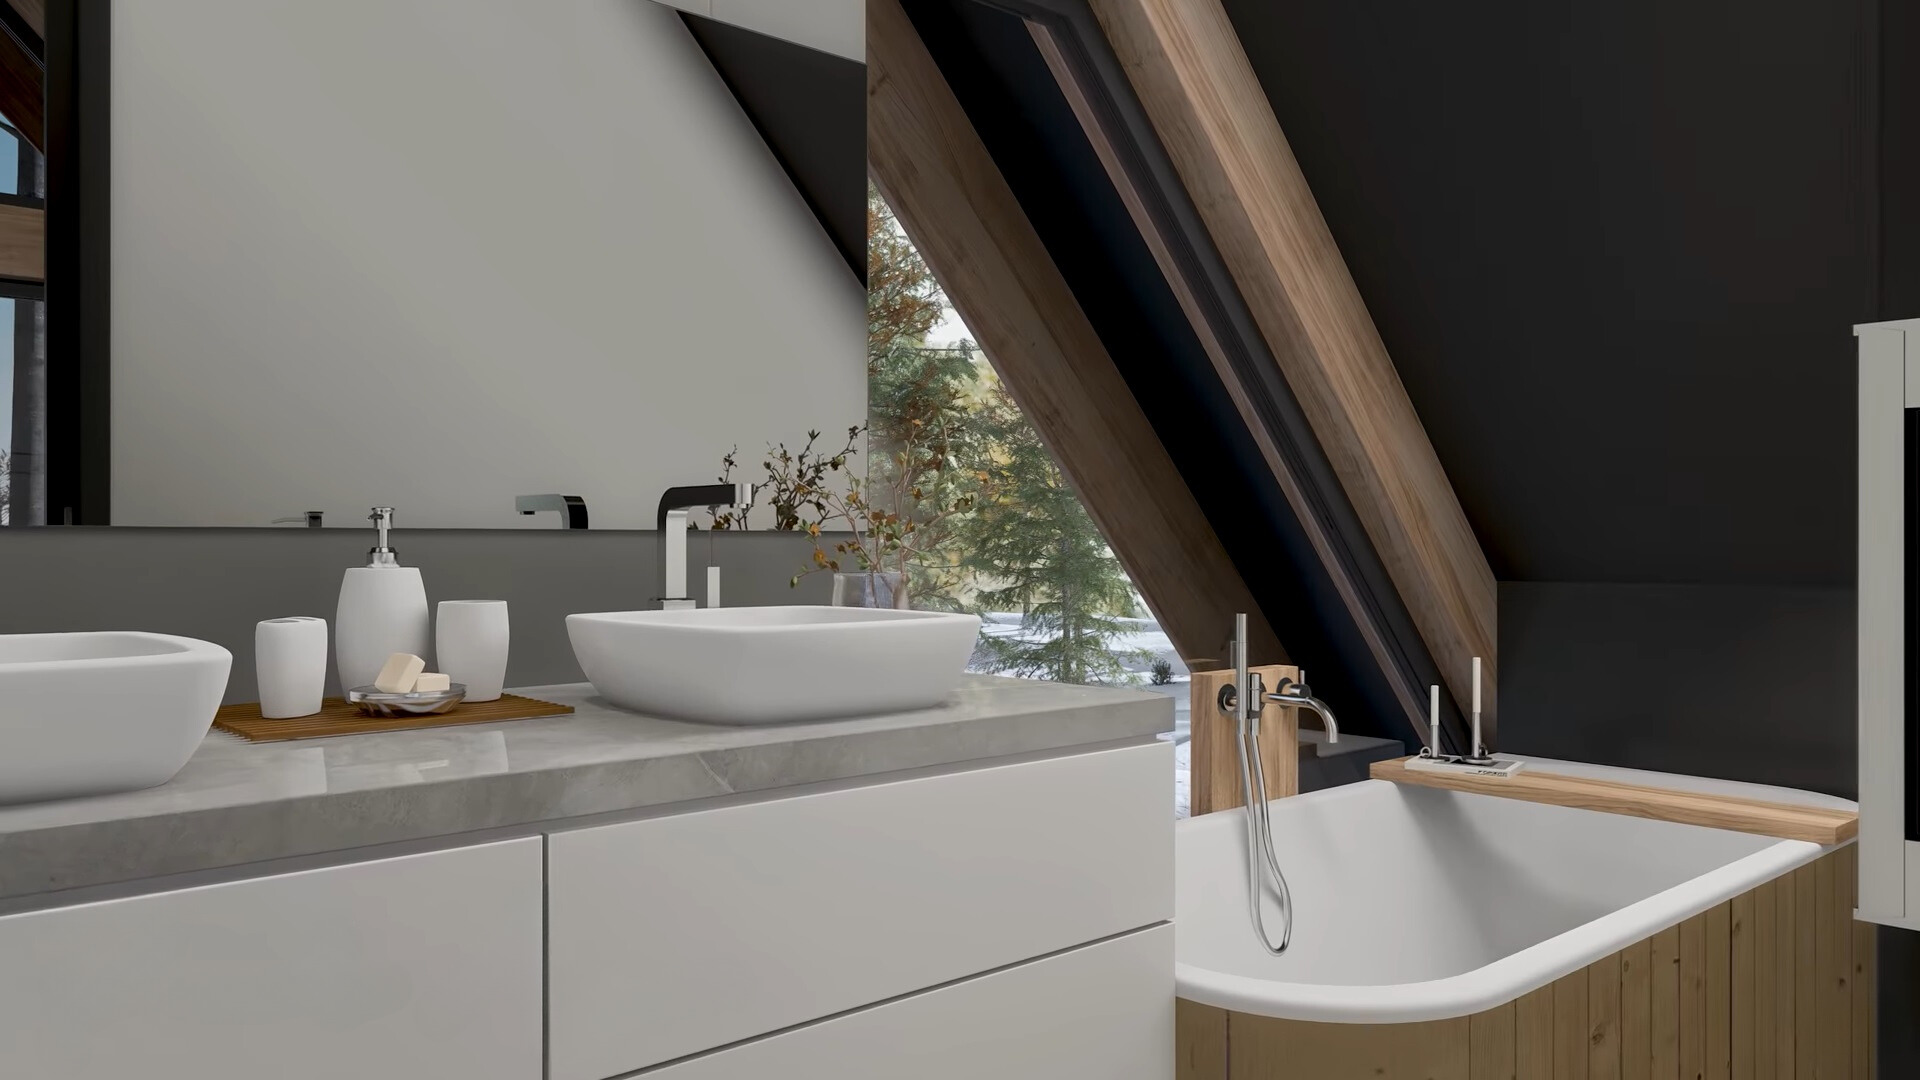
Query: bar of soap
399, 673
432, 682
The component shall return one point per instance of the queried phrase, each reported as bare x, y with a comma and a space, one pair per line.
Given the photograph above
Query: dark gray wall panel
1742, 683
215, 584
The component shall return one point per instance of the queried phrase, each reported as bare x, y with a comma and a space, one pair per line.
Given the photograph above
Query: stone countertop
238, 802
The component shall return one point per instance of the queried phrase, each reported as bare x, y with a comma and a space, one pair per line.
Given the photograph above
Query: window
23, 384
1007, 537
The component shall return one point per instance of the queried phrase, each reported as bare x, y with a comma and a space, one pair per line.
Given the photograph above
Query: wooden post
1215, 757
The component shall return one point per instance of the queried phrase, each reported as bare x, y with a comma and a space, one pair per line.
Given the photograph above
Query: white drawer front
421, 966
1104, 1012
674, 935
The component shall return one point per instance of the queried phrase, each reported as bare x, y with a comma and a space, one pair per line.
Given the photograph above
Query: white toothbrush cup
290, 662
470, 643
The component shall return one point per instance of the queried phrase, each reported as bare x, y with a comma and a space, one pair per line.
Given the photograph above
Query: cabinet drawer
673, 935
1102, 1011
426, 965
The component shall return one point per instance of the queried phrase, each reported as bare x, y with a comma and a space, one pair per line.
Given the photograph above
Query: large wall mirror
437, 256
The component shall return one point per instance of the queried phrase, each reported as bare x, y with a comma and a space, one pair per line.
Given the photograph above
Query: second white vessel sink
770, 665
95, 713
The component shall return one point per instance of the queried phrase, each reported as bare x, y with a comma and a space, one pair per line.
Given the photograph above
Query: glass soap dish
376, 702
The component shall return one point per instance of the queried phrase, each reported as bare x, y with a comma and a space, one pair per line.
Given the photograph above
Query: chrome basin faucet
672, 519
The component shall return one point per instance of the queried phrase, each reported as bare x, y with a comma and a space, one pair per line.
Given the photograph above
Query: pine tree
922, 403
1043, 556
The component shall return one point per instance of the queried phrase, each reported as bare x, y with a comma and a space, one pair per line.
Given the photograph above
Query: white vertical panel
1882, 622
421, 966
1104, 1012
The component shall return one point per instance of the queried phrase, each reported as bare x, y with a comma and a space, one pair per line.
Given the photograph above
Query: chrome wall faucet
672, 519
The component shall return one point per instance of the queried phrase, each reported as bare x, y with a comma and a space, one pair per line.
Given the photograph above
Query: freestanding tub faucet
1244, 700
672, 519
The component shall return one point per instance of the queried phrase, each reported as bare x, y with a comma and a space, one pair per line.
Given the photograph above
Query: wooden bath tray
1816, 824
337, 717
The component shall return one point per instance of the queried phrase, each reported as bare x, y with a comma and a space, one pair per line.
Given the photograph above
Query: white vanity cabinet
1005, 918
419, 966
675, 935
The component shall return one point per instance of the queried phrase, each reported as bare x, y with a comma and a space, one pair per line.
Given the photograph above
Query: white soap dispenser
383, 610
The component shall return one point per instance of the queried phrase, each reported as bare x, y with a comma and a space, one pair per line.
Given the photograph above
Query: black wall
1616, 251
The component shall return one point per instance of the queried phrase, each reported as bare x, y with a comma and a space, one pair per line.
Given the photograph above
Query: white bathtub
1416, 904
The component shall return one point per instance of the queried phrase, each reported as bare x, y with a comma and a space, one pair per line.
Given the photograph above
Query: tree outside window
1025, 554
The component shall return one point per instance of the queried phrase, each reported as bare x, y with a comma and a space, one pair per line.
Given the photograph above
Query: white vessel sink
769, 665
94, 713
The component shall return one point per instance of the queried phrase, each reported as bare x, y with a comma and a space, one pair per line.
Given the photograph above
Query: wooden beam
1210, 113
1214, 753
23, 243
23, 98
951, 199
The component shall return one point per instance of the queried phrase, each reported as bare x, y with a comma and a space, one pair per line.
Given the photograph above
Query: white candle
1476, 686
1433, 706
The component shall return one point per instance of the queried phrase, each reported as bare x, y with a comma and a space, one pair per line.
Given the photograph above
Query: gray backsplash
215, 584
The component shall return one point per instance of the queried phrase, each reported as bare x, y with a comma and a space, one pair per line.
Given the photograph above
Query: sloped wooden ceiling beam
1213, 118
959, 211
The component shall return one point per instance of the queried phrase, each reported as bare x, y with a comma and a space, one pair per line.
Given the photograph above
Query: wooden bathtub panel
1636, 1011
1806, 973
1865, 1008
1491, 1043
1866, 983
1570, 1027
1200, 1041
1786, 976
1262, 1048
1693, 998
1603, 1018
1765, 965
1742, 985
1777, 984
1665, 976
1718, 1046
1533, 1035
1835, 948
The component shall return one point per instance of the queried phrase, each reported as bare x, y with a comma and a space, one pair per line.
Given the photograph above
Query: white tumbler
470, 643
290, 661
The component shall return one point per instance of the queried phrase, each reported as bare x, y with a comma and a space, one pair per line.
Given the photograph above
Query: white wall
434, 253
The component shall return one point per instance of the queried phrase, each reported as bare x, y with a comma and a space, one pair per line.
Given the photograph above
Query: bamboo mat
337, 717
